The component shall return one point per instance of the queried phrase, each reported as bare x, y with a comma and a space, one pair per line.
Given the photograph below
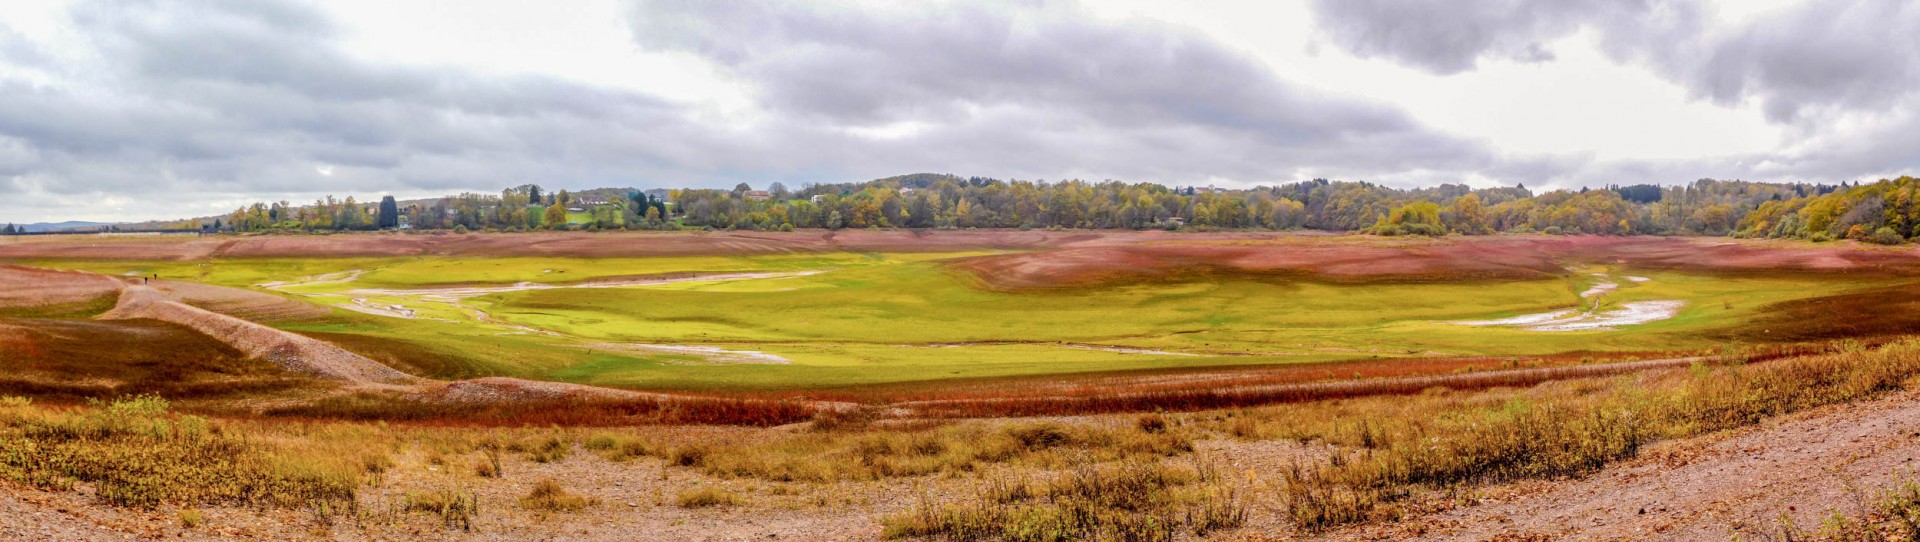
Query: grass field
842, 319
922, 395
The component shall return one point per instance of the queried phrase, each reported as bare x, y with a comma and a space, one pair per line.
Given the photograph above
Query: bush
548, 496
1430, 230
453, 508
1140, 500
1152, 423
1886, 236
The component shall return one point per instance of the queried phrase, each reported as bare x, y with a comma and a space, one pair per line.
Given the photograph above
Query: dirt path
295, 352
1731, 486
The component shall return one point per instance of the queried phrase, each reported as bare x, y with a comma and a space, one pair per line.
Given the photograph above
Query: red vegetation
1203, 391
572, 244
31, 288
1120, 259
570, 411
72, 360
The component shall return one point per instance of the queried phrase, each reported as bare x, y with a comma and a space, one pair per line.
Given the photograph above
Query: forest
1887, 211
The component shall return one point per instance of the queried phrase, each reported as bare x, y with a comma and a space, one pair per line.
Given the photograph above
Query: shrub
453, 508
1140, 500
705, 497
1151, 423
548, 451
191, 518
548, 496
1886, 236
489, 465
1430, 230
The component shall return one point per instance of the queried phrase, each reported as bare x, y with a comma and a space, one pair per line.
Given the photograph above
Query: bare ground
1717, 487
292, 351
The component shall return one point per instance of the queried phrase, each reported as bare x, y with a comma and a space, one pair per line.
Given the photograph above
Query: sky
131, 110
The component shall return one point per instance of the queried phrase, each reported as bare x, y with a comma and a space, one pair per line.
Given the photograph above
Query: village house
759, 195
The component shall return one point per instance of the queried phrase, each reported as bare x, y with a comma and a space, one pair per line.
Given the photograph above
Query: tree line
1883, 211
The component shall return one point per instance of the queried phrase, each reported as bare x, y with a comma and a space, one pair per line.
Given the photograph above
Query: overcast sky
130, 110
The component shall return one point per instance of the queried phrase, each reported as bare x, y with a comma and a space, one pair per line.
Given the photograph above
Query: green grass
868, 318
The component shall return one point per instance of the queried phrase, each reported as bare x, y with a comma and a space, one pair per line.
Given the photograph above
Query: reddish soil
27, 287
71, 360
1203, 395
1055, 258
579, 244
1355, 259
247, 304
294, 352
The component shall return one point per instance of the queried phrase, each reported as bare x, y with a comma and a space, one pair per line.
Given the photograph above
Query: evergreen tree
389, 213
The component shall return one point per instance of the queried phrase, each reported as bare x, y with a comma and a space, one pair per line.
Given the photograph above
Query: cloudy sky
128, 110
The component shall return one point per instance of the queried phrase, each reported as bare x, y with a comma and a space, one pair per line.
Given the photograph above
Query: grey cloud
189, 106
1449, 37
225, 100
1811, 67
1129, 81
193, 106
1846, 56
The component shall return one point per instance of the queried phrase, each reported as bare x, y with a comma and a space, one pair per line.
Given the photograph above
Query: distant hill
60, 226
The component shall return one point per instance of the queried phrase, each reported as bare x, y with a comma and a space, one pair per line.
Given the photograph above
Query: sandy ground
1627, 314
